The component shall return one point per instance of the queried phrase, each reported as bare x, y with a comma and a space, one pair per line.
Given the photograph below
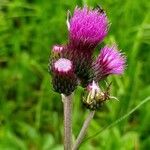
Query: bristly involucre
82, 61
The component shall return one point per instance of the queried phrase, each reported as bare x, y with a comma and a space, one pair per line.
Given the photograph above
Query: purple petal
109, 61
88, 26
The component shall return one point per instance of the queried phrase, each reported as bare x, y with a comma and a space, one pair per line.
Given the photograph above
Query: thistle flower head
109, 61
64, 80
73, 63
87, 27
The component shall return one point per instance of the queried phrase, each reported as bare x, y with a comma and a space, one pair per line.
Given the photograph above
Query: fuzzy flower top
109, 61
88, 27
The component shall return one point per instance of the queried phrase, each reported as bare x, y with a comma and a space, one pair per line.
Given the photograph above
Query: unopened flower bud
63, 78
57, 49
56, 53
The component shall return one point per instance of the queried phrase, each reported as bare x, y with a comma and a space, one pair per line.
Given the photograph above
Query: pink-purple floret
89, 26
109, 61
63, 67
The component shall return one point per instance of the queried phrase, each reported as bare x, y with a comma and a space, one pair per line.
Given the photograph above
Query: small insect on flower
99, 8
96, 97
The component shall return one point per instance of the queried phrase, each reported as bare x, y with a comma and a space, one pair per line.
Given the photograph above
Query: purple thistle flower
64, 80
87, 28
109, 61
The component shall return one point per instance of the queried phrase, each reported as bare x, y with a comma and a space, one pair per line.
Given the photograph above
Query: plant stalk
83, 130
67, 100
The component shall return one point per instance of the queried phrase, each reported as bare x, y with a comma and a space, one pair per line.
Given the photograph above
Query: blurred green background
31, 113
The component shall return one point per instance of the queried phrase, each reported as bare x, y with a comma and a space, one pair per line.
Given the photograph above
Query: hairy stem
67, 100
83, 130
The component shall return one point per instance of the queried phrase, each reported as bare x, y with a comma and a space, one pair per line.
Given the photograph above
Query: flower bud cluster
74, 63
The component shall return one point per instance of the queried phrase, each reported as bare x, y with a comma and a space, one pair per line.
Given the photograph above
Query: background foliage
31, 113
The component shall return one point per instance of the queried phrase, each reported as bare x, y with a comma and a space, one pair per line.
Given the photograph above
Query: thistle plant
74, 64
